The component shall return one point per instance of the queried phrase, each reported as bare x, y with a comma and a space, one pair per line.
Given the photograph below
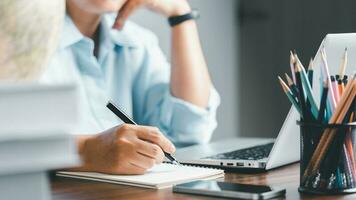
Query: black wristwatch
175, 20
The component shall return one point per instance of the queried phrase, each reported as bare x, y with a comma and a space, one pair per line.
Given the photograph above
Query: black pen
116, 110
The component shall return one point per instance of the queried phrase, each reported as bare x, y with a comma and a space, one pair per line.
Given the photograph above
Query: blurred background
247, 44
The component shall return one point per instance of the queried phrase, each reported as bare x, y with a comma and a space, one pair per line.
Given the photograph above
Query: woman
112, 58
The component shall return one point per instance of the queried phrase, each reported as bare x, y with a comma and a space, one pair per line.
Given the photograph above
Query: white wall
219, 37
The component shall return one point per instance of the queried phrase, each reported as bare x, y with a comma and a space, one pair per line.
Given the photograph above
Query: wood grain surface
286, 177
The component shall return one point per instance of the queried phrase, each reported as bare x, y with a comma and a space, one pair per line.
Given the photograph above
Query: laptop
264, 154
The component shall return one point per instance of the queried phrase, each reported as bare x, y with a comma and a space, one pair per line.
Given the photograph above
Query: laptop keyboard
252, 153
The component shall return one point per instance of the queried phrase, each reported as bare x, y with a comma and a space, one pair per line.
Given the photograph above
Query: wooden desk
70, 189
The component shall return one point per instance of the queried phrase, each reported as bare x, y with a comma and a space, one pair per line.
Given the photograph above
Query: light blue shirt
132, 71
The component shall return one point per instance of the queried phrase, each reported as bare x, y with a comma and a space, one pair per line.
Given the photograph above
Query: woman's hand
167, 8
127, 149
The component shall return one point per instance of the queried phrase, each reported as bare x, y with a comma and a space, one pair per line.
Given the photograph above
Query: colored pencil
307, 88
297, 69
341, 86
329, 160
289, 94
326, 75
343, 64
350, 151
291, 63
292, 87
311, 72
329, 134
321, 115
335, 88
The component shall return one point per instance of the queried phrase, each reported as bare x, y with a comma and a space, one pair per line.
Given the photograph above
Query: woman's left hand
167, 8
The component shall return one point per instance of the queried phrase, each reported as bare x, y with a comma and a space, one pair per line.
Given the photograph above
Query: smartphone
229, 190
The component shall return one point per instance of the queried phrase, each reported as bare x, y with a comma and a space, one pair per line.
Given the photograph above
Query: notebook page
159, 176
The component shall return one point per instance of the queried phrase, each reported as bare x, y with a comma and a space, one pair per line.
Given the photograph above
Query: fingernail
119, 23
173, 148
116, 26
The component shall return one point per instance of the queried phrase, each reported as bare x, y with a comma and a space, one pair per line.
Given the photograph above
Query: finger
154, 135
143, 161
151, 150
124, 13
135, 169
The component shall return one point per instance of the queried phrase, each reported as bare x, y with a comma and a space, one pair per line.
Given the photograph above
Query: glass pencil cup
327, 158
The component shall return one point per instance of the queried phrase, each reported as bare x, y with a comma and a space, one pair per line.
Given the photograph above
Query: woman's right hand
125, 149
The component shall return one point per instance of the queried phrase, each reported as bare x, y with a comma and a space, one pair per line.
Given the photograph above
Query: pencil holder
327, 159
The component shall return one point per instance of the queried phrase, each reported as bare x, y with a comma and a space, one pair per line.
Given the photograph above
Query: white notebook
160, 176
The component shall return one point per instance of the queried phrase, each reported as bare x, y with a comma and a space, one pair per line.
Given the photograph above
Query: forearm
190, 78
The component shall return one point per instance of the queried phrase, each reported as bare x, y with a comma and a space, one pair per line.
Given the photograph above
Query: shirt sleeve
182, 122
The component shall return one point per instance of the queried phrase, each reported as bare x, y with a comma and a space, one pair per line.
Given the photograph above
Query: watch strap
175, 20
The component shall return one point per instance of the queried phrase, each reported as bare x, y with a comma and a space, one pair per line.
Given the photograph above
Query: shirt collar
71, 34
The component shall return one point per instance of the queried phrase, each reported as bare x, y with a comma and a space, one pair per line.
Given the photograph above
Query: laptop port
240, 164
229, 164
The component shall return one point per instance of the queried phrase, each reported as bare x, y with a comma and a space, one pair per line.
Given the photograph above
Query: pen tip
176, 163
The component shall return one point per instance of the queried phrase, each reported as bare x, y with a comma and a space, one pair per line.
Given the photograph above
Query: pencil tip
296, 55
289, 80
310, 67
299, 64
345, 53
283, 84
325, 84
